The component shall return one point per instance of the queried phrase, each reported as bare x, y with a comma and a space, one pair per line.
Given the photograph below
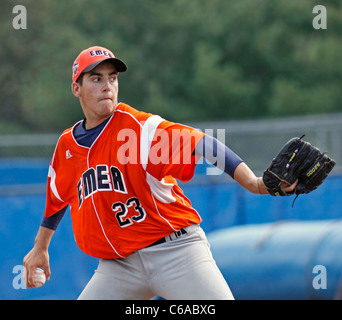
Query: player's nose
106, 86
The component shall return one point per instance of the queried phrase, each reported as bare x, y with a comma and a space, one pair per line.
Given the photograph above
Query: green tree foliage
188, 60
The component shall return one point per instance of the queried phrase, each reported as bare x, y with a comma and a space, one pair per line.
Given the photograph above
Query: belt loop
173, 236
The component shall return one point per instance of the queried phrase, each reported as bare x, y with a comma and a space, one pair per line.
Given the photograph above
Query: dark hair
80, 79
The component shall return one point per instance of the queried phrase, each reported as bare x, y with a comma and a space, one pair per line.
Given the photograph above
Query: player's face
98, 93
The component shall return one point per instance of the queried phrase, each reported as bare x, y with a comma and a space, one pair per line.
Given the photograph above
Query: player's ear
76, 89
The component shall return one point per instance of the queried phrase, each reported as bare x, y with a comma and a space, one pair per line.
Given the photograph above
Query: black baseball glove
300, 160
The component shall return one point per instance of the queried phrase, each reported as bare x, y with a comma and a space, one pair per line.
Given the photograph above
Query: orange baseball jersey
122, 190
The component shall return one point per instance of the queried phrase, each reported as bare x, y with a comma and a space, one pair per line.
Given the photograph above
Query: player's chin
107, 106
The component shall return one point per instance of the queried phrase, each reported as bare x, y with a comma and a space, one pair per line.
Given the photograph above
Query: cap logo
75, 67
100, 53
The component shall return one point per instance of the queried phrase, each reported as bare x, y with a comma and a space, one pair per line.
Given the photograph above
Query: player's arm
225, 159
38, 257
246, 178
218, 154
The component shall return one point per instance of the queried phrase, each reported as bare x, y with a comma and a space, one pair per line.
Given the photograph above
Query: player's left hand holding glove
300, 160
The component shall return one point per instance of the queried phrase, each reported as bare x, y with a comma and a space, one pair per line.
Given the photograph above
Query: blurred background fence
256, 141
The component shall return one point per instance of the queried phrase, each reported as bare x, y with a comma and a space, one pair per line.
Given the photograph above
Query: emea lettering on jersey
100, 179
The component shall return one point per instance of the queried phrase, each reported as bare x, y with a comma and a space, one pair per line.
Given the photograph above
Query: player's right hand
36, 258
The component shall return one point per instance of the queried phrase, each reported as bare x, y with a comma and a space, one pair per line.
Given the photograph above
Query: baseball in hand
39, 277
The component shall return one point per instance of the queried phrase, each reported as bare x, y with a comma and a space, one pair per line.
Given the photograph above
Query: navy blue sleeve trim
53, 221
213, 150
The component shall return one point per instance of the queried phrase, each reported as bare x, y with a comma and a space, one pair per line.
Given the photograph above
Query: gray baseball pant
182, 268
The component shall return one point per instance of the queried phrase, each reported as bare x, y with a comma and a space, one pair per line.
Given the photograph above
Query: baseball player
117, 170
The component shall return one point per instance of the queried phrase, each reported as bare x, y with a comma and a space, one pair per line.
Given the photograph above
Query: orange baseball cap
90, 58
